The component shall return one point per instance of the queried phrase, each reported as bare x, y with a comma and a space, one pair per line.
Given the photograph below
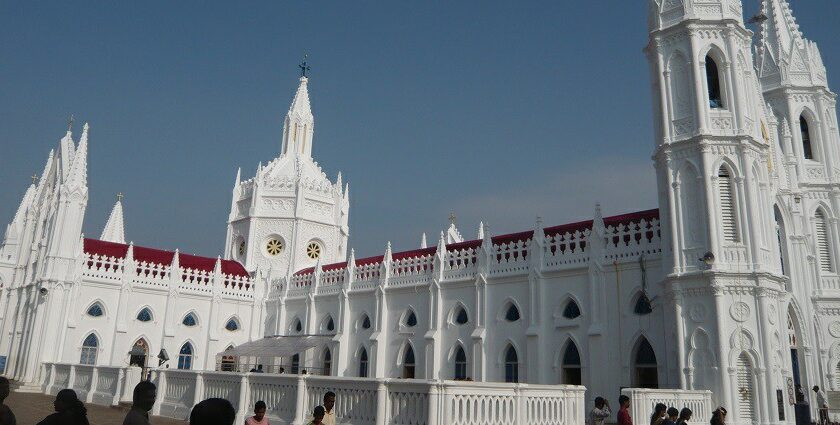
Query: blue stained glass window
185, 357
145, 315
190, 320
232, 325
95, 310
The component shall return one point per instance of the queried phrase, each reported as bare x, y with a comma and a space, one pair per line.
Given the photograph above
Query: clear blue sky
496, 110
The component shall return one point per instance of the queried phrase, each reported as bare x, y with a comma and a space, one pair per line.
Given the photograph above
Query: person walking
259, 415
718, 416
623, 416
143, 400
685, 416
599, 414
6, 415
672, 416
658, 415
329, 412
68, 410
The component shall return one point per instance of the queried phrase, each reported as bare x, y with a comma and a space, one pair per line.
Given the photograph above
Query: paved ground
31, 408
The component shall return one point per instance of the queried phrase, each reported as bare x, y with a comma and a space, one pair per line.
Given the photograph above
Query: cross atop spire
70, 122
452, 218
120, 197
34, 179
304, 67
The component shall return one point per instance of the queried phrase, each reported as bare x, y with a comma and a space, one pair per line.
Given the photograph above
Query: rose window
313, 250
274, 246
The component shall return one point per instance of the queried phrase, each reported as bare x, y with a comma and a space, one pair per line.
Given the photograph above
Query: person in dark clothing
685, 416
68, 410
6, 415
671, 419
718, 416
213, 411
658, 415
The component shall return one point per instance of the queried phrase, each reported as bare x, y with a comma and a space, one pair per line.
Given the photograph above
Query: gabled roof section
159, 256
114, 230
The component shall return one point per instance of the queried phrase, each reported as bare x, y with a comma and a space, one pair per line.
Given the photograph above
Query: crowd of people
69, 410
662, 414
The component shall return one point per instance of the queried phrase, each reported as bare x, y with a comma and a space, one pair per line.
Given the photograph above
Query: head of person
144, 395
685, 414
282, 370
67, 400
329, 401
624, 401
4, 388
659, 411
673, 413
599, 402
318, 414
213, 411
259, 367
816, 388
259, 410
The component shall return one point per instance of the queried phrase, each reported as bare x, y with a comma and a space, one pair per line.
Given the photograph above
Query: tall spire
78, 171
785, 56
114, 230
298, 127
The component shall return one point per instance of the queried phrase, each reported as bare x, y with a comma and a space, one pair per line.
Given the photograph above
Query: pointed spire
387, 256
129, 255
539, 232
298, 127
779, 31
480, 230
423, 241
338, 182
352, 259
78, 171
176, 260
25, 203
238, 177
598, 220
441, 245
114, 230
486, 241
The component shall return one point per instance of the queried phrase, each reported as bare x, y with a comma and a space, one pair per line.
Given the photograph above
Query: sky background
497, 110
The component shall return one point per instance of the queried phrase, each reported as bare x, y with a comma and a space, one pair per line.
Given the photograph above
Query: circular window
313, 250
241, 248
274, 246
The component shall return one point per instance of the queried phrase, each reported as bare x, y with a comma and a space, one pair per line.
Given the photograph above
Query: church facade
730, 284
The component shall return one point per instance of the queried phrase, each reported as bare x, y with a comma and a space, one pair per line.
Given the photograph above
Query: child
259, 415
318, 416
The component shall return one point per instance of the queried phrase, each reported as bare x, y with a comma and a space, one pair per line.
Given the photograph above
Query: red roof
647, 215
159, 256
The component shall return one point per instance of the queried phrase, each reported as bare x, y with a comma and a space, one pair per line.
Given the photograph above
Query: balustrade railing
359, 401
643, 401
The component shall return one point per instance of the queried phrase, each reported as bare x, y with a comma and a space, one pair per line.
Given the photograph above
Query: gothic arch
505, 306
717, 54
450, 355
95, 333
409, 309
701, 358
566, 339
407, 370
743, 341
194, 314
152, 313
406, 344
89, 306
325, 324
798, 320
293, 327
451, 316
821, 205
563, 302
642, 374
563, 368
361, 319
501, 356
833, 366
725, 161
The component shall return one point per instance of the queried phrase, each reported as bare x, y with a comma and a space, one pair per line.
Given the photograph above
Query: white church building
729, 284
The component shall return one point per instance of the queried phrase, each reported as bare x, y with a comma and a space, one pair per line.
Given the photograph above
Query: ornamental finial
70, 122
120, 197
452, 218
34, 179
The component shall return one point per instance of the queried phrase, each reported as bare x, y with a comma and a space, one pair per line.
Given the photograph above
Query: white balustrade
642, 402
359, 401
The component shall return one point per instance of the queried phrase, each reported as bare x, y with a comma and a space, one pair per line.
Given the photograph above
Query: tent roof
277, 346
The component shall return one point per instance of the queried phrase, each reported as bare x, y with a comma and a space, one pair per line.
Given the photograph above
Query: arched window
89, 348
512, 313
411, 319
807, 151
297, 326
408, 363
363, 363
365, 322
746, 390
185, 356
95, 310
330, 326
232, 325
728, 215
511, 365
782, 239
572, 310
460, 364
713, 82
190, 320
461, 316
295, 369
822, 241
647, 375
571, 365
642, 306
145, 315
327, 362
139, 353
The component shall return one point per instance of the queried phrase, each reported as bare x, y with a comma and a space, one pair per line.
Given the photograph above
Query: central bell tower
290, 215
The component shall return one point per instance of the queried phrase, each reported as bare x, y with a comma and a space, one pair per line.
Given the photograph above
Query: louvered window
746, 390
837, 376
727, 206
823, 249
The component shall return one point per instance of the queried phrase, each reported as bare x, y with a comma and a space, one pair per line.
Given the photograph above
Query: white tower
290, 215
713, 159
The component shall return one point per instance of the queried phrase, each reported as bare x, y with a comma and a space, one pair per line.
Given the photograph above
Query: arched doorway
139, 353
646, 370
797, 367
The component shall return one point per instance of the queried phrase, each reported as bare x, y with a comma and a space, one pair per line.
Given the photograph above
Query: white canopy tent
275, 353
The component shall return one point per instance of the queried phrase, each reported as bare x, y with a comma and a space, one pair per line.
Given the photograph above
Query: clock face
313, 250
274, 247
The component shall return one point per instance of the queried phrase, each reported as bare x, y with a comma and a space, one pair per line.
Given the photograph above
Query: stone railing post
133, 376
71, 380
49, 387
434, 405
161, 390
519, 411
300, 401
381, 402
242, 408
94, 377
118, 388
199, 388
